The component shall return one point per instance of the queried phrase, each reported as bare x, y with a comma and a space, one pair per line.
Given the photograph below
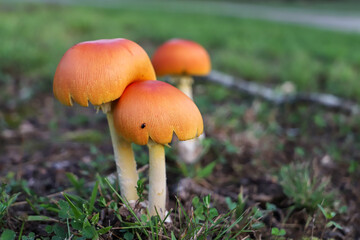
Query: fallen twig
279, 98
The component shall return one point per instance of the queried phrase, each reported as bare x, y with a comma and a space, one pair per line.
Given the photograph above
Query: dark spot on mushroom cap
143, 125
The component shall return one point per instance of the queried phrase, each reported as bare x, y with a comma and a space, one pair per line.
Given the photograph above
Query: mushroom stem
125, 162
157, 179
189, 150
184, 84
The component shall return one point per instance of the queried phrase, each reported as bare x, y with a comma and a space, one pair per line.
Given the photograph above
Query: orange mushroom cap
99, 71
156, 110
181, 57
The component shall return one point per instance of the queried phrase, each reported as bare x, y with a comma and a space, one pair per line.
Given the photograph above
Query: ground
272, 172
255, 152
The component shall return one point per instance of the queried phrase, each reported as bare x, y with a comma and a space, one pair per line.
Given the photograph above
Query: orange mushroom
150, 112
98, 72
182, 59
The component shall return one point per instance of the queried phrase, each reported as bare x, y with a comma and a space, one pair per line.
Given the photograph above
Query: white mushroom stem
189, 150
184, 84
125, 162
157, 179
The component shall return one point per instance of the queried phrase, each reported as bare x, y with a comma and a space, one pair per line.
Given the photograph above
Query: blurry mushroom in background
98, 72
149, 113
182, 59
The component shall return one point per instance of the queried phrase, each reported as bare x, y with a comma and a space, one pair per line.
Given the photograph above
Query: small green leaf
59, 231
206, 201
300, 151
206, 171
128, 236
12, 199
49, 229
64, 209
231, 148
86, 223
353, 166
343, 209
257, 213
95, 219
195, 201
104, 230
213, 213
231, 205
73, 179
200, 217
8, 235
89, 232
143, 218
30, 236
319, 121
25, 187
270, 207
275, 231
199, 211
327, 215
332, 223
93, 149
77, 224
282, 232
258, 225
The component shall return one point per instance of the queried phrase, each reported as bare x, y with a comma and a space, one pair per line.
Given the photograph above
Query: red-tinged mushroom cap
156, 110
99, 71
181, 57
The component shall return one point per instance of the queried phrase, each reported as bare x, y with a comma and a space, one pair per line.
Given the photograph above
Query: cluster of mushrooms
117, 76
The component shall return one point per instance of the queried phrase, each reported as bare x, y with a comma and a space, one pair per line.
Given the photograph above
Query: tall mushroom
182, 59
98, 72
149, 113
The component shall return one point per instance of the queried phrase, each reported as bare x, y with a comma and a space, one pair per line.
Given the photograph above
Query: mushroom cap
156, 110
181, 57
99, 71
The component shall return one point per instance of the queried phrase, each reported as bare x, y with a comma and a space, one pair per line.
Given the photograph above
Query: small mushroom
98, 72
182, 59
149, 113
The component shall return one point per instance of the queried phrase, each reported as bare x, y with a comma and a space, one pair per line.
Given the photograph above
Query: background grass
34, 37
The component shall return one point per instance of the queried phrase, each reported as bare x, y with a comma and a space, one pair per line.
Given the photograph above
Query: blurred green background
34, 36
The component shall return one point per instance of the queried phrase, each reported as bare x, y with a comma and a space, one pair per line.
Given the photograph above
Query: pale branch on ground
279, 98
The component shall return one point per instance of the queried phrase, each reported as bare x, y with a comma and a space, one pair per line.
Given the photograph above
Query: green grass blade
75, 209
93, 197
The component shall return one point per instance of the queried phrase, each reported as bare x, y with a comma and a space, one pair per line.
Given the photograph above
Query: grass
77, 216
270, 53
306, 190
